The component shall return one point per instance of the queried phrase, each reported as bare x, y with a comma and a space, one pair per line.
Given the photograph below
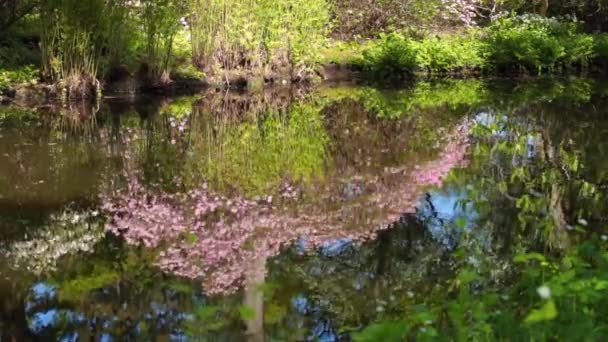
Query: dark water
285, 214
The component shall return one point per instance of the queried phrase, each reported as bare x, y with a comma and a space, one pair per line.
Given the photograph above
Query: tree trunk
254, 299
544, 8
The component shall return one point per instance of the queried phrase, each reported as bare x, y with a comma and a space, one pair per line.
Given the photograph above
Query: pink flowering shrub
463, 11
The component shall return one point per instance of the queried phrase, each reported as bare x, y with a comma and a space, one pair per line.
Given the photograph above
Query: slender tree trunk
544, 8
254, 299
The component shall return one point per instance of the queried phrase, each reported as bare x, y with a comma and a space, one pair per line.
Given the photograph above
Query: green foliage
355, 19
24, 75
160, 21
511, 44
343, 52
231, 34
393, 57
75, 288
17, 44
450, 54
537, 43
257, 155
390, 332
71, 44
601, 48
121, 37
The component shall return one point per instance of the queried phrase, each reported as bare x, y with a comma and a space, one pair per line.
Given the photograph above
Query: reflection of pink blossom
207, 236
450, 157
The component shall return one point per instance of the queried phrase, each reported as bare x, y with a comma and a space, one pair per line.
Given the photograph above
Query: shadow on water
284, 214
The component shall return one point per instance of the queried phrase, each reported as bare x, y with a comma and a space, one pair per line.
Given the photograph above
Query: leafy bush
520, 43
394, 56
391, 58
537, 43
26, 74
600, 47
451, 53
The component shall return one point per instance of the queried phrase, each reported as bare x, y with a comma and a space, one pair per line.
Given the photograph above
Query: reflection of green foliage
391, 331
544, 90
256, 156
397, 103
544, 274
459, 94
17, 116
180, 107
75, 288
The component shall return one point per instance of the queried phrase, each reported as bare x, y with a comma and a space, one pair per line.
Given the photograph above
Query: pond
298, 214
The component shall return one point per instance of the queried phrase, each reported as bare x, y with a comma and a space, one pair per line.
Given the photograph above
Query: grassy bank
134, 50
523, 45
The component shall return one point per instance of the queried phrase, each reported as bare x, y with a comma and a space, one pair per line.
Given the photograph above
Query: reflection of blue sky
40, 292
336, 247
179, 337
41, 320
329, 248
43, 291
105, 338
300, 304
70, 337
322, 329
490, 120
444, 209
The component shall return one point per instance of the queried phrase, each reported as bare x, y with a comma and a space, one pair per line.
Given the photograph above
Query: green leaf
528, 257
206, 312
191, 238
247, 313
547, 312
386, 331
461, 222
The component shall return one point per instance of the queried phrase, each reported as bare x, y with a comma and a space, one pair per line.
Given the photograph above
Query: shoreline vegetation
62, 50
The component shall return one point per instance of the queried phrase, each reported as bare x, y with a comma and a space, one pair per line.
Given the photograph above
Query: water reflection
286, 215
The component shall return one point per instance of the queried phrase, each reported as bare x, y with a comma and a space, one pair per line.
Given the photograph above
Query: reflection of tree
254, 154
13, 317
68, 233
50, 161
112, 292
532, 175
215, 237
543, 170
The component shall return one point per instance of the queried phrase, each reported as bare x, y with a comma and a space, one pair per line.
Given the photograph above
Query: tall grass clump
71, 44
257, 35
533, 43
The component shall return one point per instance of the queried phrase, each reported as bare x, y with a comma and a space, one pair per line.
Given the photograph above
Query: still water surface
284, 214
